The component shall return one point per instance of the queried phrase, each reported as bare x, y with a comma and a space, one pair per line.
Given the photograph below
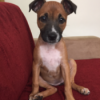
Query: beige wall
85, 23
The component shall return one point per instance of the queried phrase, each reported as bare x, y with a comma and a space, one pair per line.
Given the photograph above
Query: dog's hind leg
73, 70
49, 90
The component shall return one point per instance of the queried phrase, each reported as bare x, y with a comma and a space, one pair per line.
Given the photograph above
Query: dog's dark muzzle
51, 33
52, 36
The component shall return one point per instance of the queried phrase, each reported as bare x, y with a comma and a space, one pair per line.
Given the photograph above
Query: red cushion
88, 75
16, 51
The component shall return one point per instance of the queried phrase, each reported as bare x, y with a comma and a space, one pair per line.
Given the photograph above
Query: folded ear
36, 5
69, 6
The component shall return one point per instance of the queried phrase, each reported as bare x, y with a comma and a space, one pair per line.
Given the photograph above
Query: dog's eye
61, 20
43, 18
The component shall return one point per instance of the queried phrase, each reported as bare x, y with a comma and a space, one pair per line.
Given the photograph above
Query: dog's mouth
52, 41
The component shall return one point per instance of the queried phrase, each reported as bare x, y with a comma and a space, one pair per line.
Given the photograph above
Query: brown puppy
51, 66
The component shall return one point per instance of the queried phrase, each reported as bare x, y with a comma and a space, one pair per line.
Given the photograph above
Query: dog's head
52, 17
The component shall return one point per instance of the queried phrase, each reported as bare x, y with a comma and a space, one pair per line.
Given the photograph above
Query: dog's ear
69, 6
36, 5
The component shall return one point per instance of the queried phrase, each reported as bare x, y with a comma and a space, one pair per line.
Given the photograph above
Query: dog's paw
85, 91
35, 97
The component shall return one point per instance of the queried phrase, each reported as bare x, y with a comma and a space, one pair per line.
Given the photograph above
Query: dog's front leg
35, 79
65, 69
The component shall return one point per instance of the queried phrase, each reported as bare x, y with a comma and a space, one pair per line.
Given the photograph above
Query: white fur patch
54, 30
51, 57
85, 91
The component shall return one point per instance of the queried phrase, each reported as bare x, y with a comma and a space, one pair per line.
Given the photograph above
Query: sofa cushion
87, 47
16, 51
87, 75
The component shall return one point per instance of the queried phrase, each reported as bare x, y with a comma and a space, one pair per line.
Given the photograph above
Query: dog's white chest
50, 56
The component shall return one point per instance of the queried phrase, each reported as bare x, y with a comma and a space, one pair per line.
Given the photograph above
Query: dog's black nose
52, 36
